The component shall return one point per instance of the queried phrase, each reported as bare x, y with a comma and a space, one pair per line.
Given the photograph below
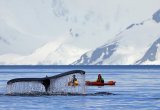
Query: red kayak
89, 83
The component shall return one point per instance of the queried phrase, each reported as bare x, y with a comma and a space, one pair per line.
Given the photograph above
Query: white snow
132, 44
135, 42
30, 26
51, 53
94, 21
156, 62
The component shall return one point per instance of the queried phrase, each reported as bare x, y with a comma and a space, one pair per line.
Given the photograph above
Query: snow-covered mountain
51, 53
152, 56
37, 22
12, 40
137, 44
30, 29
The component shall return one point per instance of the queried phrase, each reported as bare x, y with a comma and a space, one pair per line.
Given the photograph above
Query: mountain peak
156, 16
151, 53
98, 55
138, 45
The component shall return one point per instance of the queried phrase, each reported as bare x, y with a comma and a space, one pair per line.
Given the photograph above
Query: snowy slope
13, 40
51, 53
129, 46
28, 27
40, 21
152, 55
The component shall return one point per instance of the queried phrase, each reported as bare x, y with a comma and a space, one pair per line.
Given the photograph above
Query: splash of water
57, 86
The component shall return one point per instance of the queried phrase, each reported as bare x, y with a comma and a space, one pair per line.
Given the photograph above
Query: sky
26, 25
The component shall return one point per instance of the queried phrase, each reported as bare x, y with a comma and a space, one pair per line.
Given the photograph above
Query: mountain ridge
129, 48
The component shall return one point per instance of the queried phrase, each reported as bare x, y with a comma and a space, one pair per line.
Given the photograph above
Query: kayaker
100, 79
74, 81
74, 78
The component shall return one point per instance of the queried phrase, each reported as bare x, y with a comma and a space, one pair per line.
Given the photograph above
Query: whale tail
57, 84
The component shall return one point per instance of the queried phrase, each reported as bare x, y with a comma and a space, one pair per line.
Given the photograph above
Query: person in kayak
100, 79
74, 78
74, 81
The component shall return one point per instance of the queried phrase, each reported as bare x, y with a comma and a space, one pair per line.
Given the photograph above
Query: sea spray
59, 85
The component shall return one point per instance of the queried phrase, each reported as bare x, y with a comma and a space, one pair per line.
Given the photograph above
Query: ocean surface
137, 87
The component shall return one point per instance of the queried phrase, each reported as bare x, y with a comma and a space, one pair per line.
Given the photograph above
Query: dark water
137, 87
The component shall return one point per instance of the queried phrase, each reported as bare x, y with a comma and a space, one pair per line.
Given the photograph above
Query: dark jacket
100, 79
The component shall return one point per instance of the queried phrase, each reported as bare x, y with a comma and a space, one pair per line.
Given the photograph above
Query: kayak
73, 84
91, 83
